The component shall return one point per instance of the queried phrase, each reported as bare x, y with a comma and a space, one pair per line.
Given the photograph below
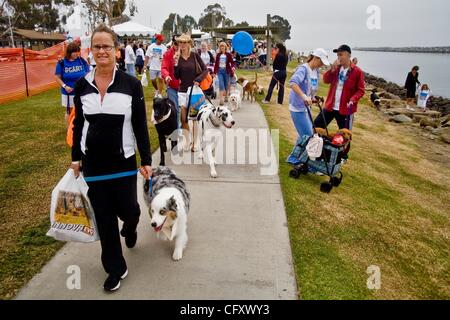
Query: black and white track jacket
110, 130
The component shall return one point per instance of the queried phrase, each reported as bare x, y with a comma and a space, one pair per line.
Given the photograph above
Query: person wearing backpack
68, 71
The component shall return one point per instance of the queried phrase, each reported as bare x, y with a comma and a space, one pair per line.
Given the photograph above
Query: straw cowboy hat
185, 38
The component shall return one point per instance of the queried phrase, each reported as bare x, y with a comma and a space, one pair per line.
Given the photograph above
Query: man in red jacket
347, 87
168, 74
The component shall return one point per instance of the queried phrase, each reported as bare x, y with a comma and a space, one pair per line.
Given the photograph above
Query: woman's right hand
308, 101
68, 89
76, 167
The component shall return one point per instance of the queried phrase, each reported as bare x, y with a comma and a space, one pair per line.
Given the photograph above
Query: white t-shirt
342, 78
314, 80
423, 97
140, 52
155, 53
223, 61
206, 58
130, 57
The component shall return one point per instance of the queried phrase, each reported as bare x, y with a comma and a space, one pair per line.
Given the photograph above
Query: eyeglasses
105, 48
183, 42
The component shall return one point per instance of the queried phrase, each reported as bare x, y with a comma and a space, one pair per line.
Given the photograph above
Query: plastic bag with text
71, 214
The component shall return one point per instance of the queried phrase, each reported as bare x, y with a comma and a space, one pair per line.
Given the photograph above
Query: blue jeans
304, 127
131, 69
224, 78
302, 123
172, 94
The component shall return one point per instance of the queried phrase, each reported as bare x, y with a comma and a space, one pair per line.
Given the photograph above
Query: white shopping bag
144, 80
314, 147
71, 214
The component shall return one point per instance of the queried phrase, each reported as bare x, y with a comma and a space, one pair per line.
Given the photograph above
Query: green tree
242, 24
110, 11
188, 23
228, 23
22, 14
216, 10
172, 25
285, 34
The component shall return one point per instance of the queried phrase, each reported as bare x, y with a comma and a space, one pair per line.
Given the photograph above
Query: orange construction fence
25, 72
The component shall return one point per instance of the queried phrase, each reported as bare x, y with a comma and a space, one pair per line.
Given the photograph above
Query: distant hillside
408, 49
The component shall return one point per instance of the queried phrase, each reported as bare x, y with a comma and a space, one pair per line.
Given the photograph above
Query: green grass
34, 157
391, 211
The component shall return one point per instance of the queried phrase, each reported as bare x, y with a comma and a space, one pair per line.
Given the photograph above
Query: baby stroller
328, 163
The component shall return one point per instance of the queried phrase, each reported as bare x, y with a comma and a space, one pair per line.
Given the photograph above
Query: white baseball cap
322, 54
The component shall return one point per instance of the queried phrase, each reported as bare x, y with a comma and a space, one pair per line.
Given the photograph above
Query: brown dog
251, 88
347, 134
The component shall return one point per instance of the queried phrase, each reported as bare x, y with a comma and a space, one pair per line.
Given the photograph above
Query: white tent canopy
133, 29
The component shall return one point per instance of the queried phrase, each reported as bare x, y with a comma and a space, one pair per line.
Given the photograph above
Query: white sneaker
265, 101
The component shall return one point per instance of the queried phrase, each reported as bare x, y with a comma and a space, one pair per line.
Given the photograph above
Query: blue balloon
243, 43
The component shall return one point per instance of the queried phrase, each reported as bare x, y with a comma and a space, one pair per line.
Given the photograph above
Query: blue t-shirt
71, 73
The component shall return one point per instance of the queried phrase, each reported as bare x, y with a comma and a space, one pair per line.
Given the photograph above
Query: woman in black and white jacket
110, 120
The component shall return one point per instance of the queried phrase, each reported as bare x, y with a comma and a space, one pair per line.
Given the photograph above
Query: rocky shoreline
436, 103
435, 122
440, 50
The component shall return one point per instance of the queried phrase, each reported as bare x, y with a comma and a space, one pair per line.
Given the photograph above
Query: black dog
166, 122
375, 99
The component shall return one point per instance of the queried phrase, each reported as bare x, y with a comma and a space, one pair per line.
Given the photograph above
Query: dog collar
164, 118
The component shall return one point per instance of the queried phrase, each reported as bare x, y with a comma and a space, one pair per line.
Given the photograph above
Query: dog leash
111, 176
148, 187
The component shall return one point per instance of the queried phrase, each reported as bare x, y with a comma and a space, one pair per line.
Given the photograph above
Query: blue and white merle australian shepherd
168, 201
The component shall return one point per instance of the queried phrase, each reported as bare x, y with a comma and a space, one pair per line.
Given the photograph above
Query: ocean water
393, 66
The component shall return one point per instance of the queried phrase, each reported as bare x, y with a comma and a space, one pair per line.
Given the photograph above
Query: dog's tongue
158, 229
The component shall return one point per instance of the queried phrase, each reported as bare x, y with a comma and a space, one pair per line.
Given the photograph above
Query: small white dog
235, 101
209, 118
168, 201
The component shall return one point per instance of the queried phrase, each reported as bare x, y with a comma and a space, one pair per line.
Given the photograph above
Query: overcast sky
321, 23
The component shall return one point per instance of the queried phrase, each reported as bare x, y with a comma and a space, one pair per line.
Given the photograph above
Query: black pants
112, 199
325, 117
278, 77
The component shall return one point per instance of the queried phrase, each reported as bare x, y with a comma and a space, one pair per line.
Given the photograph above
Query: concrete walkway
238, 243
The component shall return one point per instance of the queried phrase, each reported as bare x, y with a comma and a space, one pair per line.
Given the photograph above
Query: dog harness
163, 119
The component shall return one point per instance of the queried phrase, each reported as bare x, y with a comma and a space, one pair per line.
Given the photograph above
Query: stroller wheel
336, 181
326, 187
303, 168
294, 173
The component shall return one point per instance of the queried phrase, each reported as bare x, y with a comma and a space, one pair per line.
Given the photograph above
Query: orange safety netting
40, 71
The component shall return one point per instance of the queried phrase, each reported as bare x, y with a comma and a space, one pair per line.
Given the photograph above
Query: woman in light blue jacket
305, 84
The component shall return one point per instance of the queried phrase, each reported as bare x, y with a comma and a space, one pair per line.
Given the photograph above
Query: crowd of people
110, 114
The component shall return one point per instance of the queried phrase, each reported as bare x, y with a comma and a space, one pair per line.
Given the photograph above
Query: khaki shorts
182, 99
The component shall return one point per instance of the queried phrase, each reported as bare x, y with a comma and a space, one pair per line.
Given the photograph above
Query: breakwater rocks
434, 103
